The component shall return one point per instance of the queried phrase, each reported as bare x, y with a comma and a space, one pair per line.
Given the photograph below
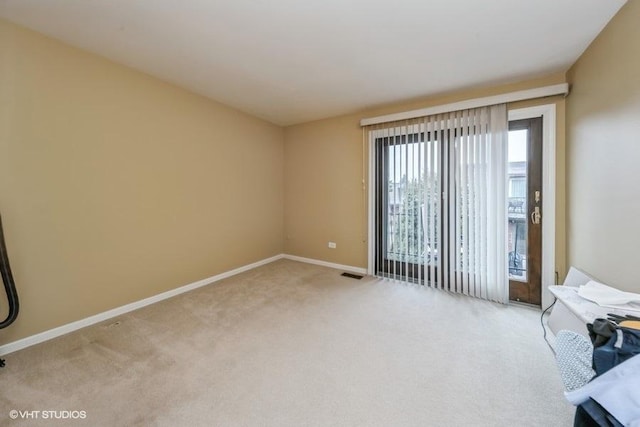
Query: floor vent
353, 276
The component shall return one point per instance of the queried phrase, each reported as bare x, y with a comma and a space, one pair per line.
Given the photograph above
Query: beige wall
324, 192
603, 151
324, 195
115, 186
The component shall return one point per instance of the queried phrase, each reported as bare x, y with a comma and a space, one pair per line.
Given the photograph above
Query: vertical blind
441, 201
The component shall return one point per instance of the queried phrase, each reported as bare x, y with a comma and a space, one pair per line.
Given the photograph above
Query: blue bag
623, 344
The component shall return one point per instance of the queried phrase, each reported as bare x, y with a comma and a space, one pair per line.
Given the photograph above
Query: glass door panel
517, 199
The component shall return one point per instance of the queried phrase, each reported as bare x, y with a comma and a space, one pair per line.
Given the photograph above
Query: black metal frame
383, 265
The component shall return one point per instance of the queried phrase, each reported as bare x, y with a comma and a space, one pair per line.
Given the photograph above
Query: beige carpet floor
292, 344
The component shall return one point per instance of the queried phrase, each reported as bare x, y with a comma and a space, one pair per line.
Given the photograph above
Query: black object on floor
353, 276
9, 286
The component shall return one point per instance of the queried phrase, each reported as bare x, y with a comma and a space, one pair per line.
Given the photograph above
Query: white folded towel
606, 296
616, 390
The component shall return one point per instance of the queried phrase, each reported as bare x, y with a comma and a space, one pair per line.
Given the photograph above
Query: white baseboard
359, 270
118, 311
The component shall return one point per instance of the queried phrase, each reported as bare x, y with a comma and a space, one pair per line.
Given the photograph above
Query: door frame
548, 113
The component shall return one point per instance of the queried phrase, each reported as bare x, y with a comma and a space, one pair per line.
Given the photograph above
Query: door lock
536, 216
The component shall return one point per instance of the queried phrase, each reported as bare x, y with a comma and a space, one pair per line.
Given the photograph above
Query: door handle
536, 216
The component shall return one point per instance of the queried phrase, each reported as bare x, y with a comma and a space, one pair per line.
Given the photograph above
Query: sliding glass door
440, 201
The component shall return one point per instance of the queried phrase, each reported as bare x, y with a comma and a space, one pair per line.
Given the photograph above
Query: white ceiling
291, 61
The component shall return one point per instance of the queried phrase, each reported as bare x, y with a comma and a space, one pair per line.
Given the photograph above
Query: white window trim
548, 113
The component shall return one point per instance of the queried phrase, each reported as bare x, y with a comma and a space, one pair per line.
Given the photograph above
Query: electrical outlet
332, 245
